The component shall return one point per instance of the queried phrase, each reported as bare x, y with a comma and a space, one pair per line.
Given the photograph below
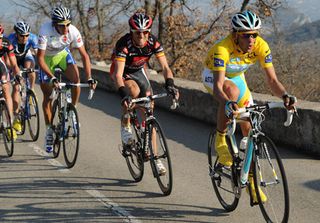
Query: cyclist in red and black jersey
7, 54
130, 56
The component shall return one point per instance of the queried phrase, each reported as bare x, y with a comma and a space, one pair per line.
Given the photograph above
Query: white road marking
112, 206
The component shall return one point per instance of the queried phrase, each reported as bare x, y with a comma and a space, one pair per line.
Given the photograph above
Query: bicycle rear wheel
6, 128
223, 179
134, 154
159, 152
269, 175
71, 136
57, 128
33, 118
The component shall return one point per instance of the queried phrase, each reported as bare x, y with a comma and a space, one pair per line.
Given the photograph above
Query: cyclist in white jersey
55, 38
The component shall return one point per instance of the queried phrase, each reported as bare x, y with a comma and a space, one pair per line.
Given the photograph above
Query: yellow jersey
225, 55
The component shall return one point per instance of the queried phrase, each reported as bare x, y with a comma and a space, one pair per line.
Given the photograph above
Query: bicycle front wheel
134, 154
56, 124
6, 129
160, 153
71, 136
223, 179
270, 176
32, 115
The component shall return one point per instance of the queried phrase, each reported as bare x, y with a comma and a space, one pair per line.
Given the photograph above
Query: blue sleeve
12, 38
33, 40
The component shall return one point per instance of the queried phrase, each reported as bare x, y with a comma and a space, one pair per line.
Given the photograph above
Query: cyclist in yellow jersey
224, 78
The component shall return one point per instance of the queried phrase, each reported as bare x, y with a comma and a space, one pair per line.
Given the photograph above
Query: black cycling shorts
140, 77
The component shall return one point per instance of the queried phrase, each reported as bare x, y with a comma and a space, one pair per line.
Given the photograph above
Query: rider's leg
126, 132
72, 73
47, 108
46, 103
225, 158
7, 96
134, 92
32, 76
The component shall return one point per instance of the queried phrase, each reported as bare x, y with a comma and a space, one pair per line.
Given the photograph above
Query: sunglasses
64, 25
23, 36
139, 32
249, 35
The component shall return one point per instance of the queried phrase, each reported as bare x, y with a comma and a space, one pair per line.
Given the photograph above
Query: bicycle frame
148, 144
255, 118
148, 112
25, 88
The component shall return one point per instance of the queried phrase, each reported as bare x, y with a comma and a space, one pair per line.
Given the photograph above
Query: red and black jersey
135, 58
6, 47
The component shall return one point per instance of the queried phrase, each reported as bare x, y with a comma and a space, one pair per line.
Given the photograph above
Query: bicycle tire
6, 128
165, 180
71, 137
134, 154
277, 207
33, 118
23, 122
223, 179
57, 128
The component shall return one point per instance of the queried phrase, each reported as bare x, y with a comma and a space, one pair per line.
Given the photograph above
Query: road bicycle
29, 109
65, 120
148, 143
6, 131
261, 158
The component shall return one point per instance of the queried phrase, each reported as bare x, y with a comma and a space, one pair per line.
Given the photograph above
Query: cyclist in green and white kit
55, 38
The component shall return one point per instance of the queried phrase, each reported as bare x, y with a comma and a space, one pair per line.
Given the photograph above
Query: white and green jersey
53, 42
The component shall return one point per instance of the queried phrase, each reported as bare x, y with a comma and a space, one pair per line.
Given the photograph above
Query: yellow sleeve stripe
266, 65
161, 54
120, 59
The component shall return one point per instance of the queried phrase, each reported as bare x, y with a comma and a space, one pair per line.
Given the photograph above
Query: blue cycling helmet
245, 21
21, 28
61, 15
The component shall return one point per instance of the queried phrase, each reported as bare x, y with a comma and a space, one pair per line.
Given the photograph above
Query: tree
95, 19
184, 33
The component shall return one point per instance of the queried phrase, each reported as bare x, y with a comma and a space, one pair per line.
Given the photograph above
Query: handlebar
28, 70
269, 105
62, 85
150, 98
260, 108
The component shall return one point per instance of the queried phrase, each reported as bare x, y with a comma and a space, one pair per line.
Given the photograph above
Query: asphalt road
36, 188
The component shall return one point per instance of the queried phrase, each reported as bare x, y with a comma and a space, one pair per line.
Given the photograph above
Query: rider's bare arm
118, 72
14, 65
275, 85
86, 61
167, 73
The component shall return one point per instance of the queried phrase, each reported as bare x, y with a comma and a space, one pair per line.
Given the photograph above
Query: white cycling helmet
245, 21
61, 15
22, 28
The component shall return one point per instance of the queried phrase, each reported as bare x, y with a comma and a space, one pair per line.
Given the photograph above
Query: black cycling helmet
22, 28
141, 22
61, 15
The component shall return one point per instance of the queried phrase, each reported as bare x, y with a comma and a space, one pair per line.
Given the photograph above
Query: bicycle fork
262, 181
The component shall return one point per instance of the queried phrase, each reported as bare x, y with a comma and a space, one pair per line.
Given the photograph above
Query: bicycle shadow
56, 199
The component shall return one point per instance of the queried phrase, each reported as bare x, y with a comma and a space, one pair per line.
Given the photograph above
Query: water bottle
243, 143
243, 147
23, 96
68, 94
